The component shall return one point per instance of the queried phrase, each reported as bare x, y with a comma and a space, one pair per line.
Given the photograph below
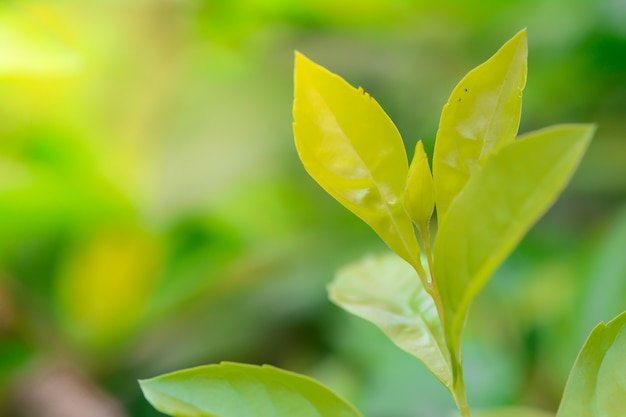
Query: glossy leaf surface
596, 386
386, 291
352, 149
514, 412
419, 198
481, 115
238, 390
495, 210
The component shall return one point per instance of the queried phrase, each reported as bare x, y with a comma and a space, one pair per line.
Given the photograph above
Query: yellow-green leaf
596, 386
419, 197
353, 150
481, 116
500, 203
386, 291
239, 390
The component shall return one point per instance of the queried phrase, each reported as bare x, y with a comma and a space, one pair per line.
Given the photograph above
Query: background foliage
154, 214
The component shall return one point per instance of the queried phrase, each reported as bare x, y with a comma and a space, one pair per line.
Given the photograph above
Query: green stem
417, 264
461, 401
431, 286
425, 232
459, 394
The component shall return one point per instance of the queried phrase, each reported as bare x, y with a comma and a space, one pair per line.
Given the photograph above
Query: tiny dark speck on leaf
459, 99
466, 90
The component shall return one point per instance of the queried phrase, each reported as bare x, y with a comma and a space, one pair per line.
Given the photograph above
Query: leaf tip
144, 384
419, 148
301, 63
298, 55
587, 130
146, 389
298, 58
592, 127
519, 44
521, 36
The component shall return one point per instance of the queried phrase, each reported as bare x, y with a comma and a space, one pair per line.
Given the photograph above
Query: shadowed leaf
386, 291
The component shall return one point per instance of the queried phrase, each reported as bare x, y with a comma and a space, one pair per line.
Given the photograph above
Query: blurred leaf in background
103, 287
153, 214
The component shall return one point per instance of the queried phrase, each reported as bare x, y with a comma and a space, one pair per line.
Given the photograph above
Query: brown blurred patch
61, 390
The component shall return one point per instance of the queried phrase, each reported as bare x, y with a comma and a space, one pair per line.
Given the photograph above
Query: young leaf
500, 203
386, 291
596, 387
352, 149
515, 412
238, 390
419, 197
481, 116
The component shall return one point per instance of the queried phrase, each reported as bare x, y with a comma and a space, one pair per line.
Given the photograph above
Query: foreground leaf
238, 390
386, 291
514, 412
596, 386
481, 116
353, 150
495, 210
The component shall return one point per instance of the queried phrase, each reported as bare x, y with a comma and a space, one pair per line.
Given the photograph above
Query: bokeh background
154, 214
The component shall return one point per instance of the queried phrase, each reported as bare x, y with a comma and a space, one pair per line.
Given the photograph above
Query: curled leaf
419, 197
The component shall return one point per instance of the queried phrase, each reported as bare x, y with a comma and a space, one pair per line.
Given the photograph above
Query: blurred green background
154, 214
